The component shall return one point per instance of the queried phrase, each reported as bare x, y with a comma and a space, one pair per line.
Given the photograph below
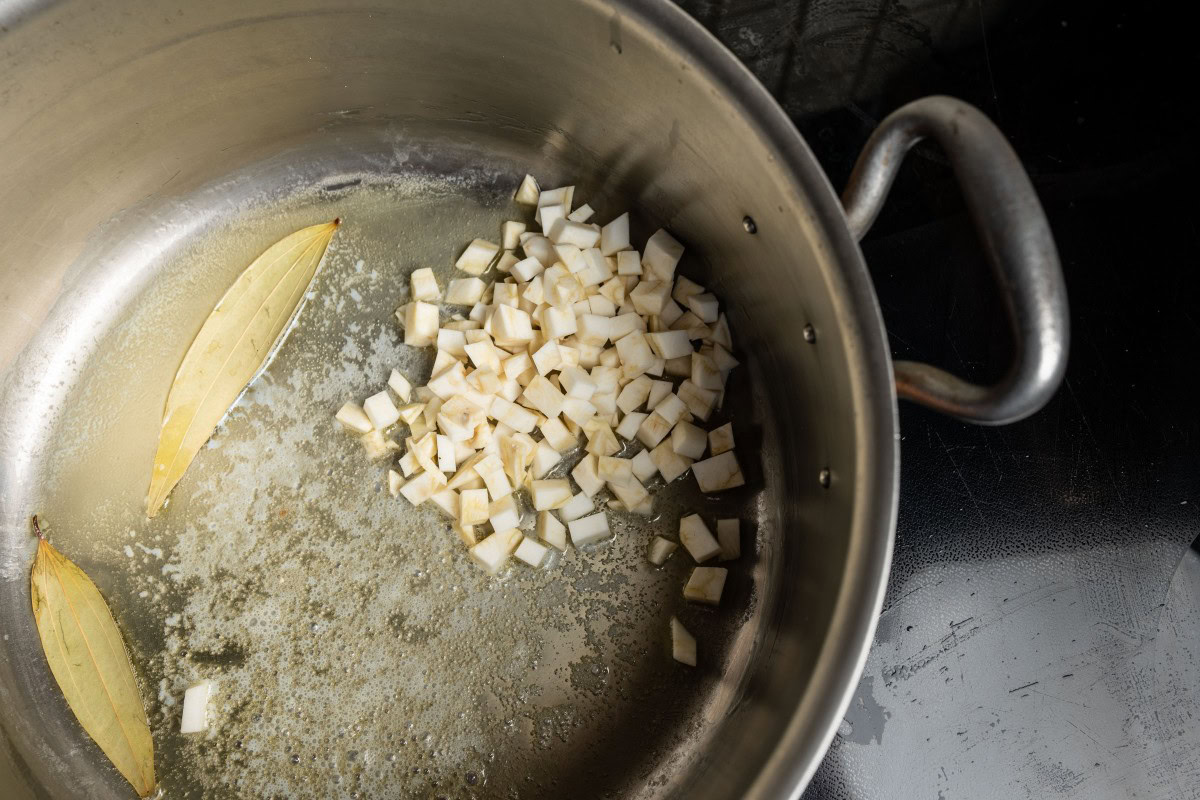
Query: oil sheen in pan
357, 651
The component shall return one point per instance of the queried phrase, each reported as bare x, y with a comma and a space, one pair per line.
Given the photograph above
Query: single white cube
527, 269
531, 552
706, 585
465, 291
643, 466
704, 306
576, 507
654, 429
493, 552
504, 514
670, 344
659, 390
451, 341
424, 285
401, 386
669, 463
697, 539
650, 297
380, 409
528, 191
683, 644
557, 435
195, 707
395, 481
477, 257
473, 506
704, 373
506, 260
420, 324
688, 440
685, 288
585, 475
630, 423
541, 248
446, 458
660, 550
577, 383
423, 486
670, 408
546, 357
729, 536
558, 323
551, 531
353, 418
587, 530
447, 502
610, 469
718, 473
592, 329
510, 234
548, 494
720, 440
614, 237
629, 262
698, 401
632, 494
661, 255
634, 394
545, 458
542, 395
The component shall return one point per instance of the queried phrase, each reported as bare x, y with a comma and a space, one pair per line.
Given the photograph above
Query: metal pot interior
149, 153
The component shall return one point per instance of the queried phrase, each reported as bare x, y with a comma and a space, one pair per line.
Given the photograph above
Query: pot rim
797, 754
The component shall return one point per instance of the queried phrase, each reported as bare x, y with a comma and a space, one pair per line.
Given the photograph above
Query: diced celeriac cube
630, 423
720, 439
696, 537
670, 313
634, 394
706, 585
558, 322
576, 382
576, 507
420, 324
654, 429
592, 329
678, 367
729, 536
581, 214
585, 475
512, 415
670, 344
506, 260
446, 458
551, 531
541, 248
451, 341
703, 306
587, 530
483, 355
629, 262
579, 234
649, 297
660, 550
718, 473
614, 469
473, 506
449, 382
528, 191
447, 501
531, 552
669, 463
527, 269
510, 234
477, 257
601, 440
411, 412
195, 707
542, 395
685, 288
632, 494
683, 644
424, 285
670, 408
511, 326
545, 458
614, 237
422, 486
704, 373
698, 401
400, 385
688, 440
492, 471
464, 291
352, 416
504, 514
376, 446
661, 255
546, 357
720, 333
493, 552
557, 435
380, 409
550, 494
395, 481
722, 359
603, 307
643, 466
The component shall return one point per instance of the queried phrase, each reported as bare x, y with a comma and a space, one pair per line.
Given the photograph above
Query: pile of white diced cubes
578, 334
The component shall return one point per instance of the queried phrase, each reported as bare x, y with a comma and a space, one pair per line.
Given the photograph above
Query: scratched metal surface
1042, 628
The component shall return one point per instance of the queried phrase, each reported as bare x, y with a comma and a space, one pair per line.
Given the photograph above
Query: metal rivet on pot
810, 334
749, 224
824, 478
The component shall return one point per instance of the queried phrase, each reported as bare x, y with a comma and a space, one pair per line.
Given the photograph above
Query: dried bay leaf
88, 660
232, 346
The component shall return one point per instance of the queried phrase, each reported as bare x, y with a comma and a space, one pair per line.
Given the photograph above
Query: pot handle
1016, 238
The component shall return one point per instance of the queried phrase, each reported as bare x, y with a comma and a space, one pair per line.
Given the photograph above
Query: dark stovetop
1041, 632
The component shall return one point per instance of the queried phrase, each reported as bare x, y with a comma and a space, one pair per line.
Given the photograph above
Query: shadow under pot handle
1016, 239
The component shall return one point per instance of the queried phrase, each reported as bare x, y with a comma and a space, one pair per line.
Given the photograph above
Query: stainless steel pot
128, 131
